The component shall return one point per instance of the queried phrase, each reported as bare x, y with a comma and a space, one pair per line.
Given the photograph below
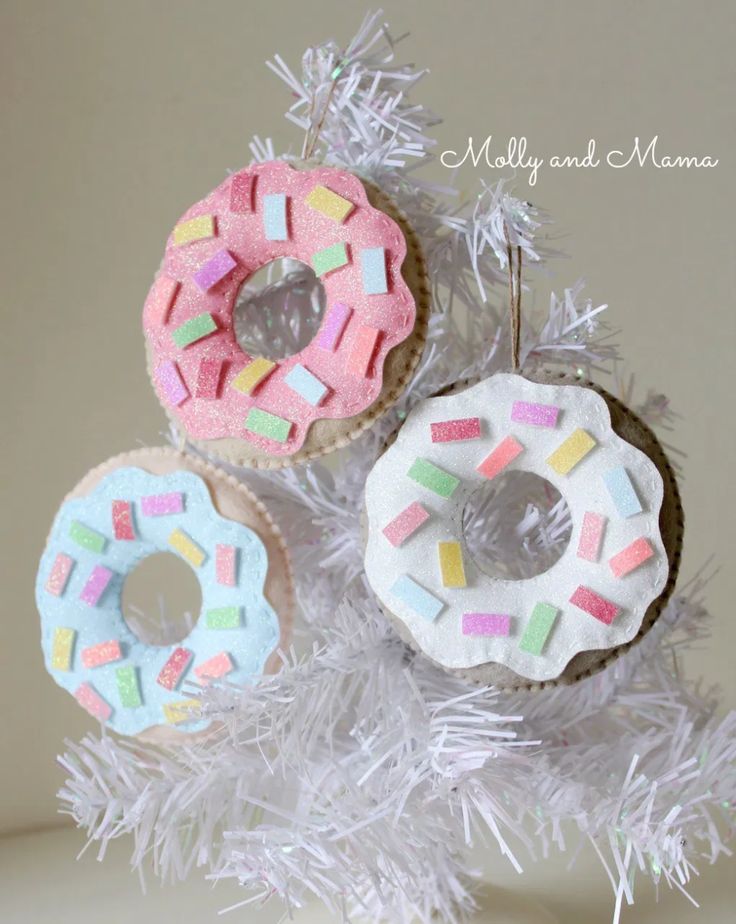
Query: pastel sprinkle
89, 699
538, 415
184, 710
568, 454
622, 491
162, 297
453, 431
187, 548
103, 653
196, 328
226, 562
171, 383
333, 327
96, 585
62, 648
329, 259
59, 574
223, 617
174, 669
324, 200
504, 454
274, 217
373, 270
87, 538
269, 425
208, 378
122, 520
196, 229
162, 505
251, 376
419, 600
214, 270
538, 628
452, 567
362, 350
301, 381
214, 668
241, 192
591, 536
591, 602
433, 478
405, 524
630, 558
128, 685
486, 624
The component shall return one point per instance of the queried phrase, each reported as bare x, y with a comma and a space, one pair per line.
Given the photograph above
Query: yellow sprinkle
329, 203
451, 564
194, 230
254, 373
181, 711
61, 652
575, 448
185, 546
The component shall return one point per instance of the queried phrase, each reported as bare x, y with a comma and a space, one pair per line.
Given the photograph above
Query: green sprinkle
86, 537
194, 329
433, 478
329, 259
538, 628
128, 689
224, 617
269, 425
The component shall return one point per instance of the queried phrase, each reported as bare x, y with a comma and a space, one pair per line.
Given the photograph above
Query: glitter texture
494, 624
268, 425
452, 568
89, 699
361, 353
193, 330
433, 478
59, 574
622, 492
575, 448
330, 205
405, 524
174, 669
96, 585
591, 602
630, 558
307, 386
538, 629
122, 521
196, 229
591, 536
87, 538
538, 415
187, 548
214, 668
413, 595
223, 617
274, 217
241, 192
214, 270
373, 270
102, 653
504, 454
184, 710
452, 431
251, 376
163, 295
333, 327
226, 563
62, 648
208, 379
171, 383
162, 505
129, 690
329, 259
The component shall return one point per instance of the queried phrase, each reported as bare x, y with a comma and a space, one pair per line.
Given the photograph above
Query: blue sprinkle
421, 601
373, 268
305, 384
274, 217
622, 492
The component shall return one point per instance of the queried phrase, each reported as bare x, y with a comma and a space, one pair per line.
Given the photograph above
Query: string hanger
514, 267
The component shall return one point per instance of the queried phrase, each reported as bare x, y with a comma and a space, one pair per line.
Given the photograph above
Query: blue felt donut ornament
134, 506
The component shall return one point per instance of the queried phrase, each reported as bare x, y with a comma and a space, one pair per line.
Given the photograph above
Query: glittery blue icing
248, 646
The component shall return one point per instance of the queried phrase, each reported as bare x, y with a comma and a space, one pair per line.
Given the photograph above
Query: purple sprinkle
160, 505
214, 270
334, 325
171, 382
485, 624
538, 415
96, 584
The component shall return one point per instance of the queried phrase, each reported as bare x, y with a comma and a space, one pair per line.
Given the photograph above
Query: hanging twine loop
514, 267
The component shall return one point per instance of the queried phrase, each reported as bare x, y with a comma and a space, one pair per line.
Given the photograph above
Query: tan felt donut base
671, 523
234, 501
327, 435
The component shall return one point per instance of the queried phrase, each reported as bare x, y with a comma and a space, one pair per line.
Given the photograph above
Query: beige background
115, 116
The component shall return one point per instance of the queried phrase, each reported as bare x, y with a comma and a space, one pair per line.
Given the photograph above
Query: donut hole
161, 599
278, 310
516, 526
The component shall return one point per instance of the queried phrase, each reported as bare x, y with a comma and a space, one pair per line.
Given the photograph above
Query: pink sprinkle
89, 699
591, 536
631, 557
214, 668
361, 354
97, 655
122, 520
60, 571
96, 585
334, 325
208, 378
214, 270
162, 297
226, 560
538, 415
241, 192
451, 431
506, 451
589, 601
406, 523
171, 383
161, 505
485, 624
173, 670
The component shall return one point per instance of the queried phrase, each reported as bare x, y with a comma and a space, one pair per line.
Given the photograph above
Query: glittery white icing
389, 491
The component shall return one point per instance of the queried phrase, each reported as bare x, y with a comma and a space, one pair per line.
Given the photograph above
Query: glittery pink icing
241, 234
